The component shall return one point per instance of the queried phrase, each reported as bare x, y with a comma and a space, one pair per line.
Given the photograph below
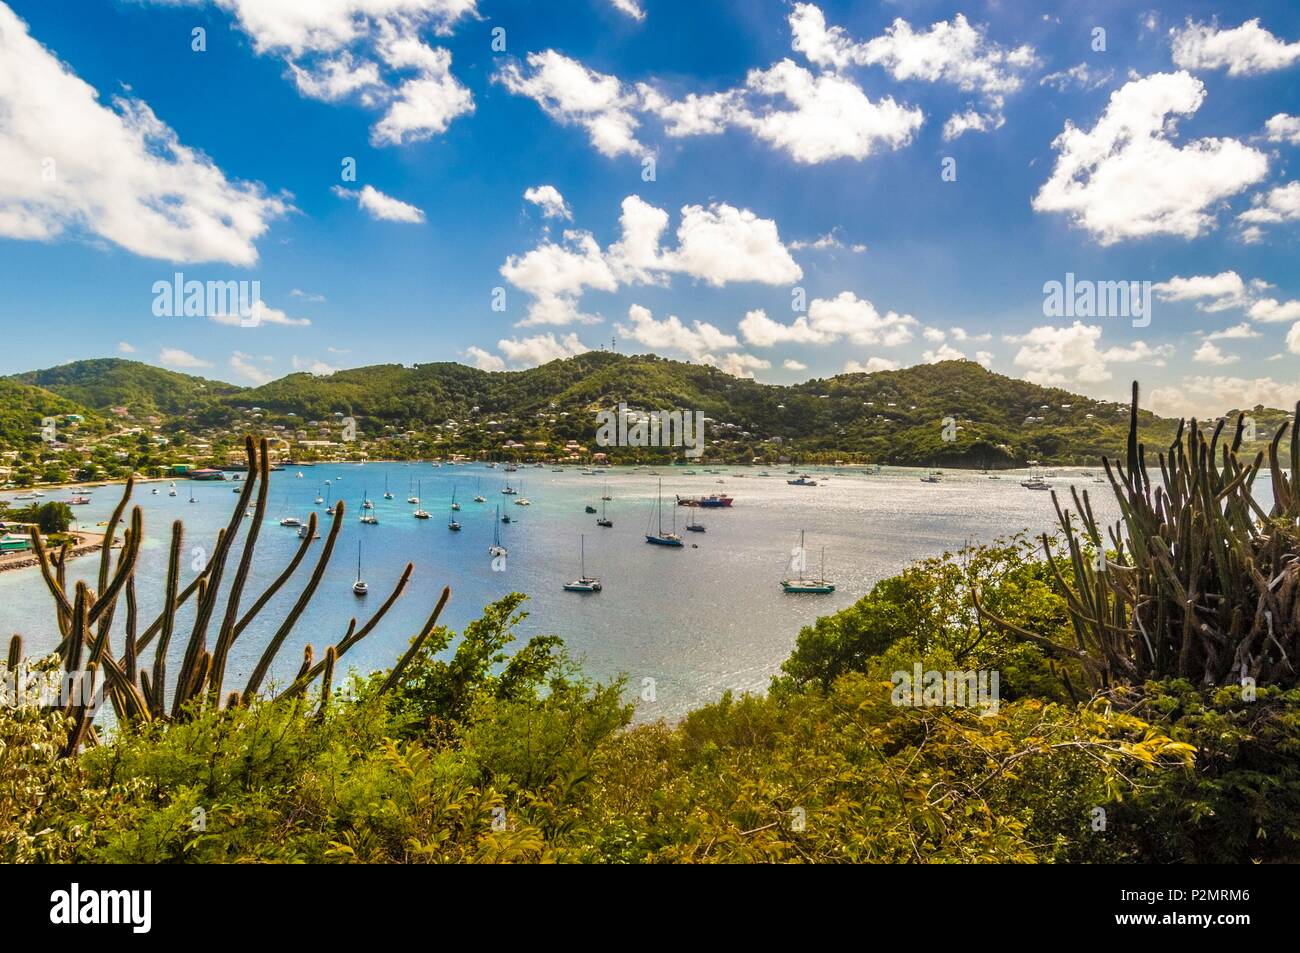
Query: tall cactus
138, 690
1195, 580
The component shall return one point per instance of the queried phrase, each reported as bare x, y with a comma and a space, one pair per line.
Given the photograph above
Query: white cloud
70, 164
1272, 311
871, 366
549, 200
718, 244
1210, 353
959, 124
312, 366
961, 334
1243, 50
307, 296
125, 347
571, 94
830, 319
1281, 204
379, 206
737, 365
1208, 397
934, 335
829, 242
1210, 292
1125, 178
1237, 332
1058, 356
790, 364
831, 117
367, 50
951, 52
1283, 128
182, 360
1293, 340
631, 7
529, 352
262, 313
484, 360
243, 365
1081, 75
671, 334
945, 352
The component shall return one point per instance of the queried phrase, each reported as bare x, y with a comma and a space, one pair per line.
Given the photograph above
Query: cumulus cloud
125, 347
1273, 207
716, 244
1228, 291
244, 366
311, 365
870, 366
261, 313
175, 358
830, 319
1283, 128
484, 360
1211, 353
71, 164
1209, 396
1272, 311
790, 364
549, 200
1059, 356
959, 124
831, 241
1237, 332
381, 207
573, 95
369, 51
696, 340
531, 351
1126, 178
1242, 50
737, 365
952, 51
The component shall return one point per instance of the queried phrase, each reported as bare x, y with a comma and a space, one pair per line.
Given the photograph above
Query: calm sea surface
698, 620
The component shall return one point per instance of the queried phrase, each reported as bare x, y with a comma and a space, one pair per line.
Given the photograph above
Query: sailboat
192, 500
359, 587
479, 497
694, 526
368, 515
366, 502
509, 490
413, 498
802, 584
583, 583
662, 538
604, 520
496, 549
387, 493
154, 491
172, 491
453, 524
523, 500
607, 497
419, 514
454, 505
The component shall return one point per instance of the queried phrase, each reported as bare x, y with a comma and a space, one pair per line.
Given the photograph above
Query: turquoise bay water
698, 620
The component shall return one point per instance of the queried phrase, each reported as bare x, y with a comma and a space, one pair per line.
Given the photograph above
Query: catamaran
583, 583
368, 516
802, 583
661, 538
291, 521
523, 500
479, 497
359, 587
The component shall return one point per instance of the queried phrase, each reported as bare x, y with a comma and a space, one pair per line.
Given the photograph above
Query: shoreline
91, 542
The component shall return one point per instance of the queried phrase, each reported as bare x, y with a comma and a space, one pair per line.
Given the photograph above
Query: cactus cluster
91, 669
1195, 580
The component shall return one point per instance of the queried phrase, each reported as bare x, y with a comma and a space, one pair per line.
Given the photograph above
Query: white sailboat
802, 583
419, 513
496, 549
359, 587
583, 583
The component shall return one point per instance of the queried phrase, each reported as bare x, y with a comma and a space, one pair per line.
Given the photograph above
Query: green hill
954, 413
113, 382
21, 408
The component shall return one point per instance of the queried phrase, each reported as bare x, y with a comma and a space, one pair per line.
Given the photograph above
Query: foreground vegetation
1124, 731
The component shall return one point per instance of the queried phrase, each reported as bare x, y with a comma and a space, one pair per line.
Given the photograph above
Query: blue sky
794, 146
